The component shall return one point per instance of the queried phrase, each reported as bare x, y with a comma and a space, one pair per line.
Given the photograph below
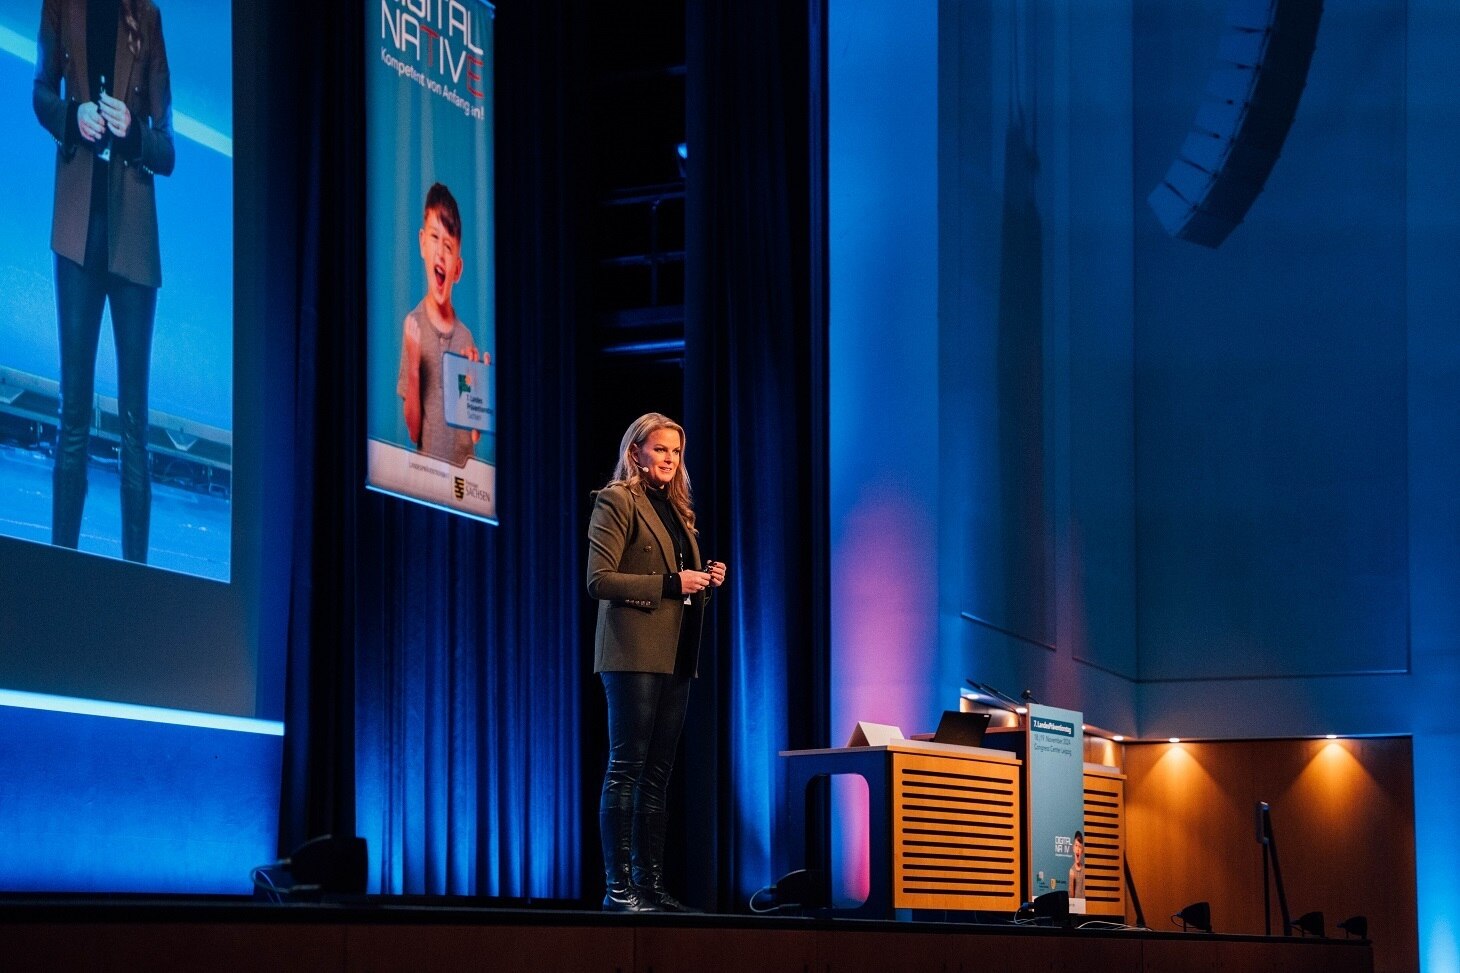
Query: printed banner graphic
429, 252
1056, 802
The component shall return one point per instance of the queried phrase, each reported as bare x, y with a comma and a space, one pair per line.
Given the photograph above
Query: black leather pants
80, 297
645, 715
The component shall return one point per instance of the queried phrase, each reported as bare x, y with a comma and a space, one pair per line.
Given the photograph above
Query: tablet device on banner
466, 398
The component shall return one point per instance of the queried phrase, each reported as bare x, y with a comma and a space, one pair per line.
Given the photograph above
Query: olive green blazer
629, 553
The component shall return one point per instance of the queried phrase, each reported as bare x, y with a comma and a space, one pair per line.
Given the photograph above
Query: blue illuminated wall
882, 358
1298, 418
883, 354
1197, 492
1271, 408
1036, 300
104, 804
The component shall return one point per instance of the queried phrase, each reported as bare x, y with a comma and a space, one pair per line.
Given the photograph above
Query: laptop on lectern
963, 729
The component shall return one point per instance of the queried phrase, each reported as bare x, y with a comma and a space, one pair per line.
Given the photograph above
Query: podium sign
1055, 765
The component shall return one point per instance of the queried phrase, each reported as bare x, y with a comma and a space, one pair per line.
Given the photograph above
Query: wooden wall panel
1104, 843
1342, 812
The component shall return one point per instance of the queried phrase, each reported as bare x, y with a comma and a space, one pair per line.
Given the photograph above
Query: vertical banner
429, 254
1056, 795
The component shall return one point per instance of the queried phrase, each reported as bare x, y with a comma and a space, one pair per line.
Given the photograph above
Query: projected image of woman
103, 92
644, 568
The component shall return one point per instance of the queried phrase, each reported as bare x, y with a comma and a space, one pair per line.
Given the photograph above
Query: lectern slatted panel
1104, 844
956, 833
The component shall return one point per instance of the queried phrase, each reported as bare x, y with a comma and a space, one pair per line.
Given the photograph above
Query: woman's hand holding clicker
693, 582
89, 121
716, 570
116, 114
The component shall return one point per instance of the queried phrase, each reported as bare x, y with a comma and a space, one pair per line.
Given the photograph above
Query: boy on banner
436, 347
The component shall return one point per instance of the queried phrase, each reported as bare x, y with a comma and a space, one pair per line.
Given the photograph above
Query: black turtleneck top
101, 43
659, 499
684, 657
103, 20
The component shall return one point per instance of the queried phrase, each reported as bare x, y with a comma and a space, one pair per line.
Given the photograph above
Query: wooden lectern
944, 826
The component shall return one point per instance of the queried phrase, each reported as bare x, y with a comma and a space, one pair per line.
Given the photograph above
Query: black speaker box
329, 864
1247, 108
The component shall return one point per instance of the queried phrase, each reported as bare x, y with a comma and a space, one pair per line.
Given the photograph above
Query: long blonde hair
627, 470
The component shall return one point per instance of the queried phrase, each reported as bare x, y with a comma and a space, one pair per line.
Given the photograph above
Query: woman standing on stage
113, 129
644, 569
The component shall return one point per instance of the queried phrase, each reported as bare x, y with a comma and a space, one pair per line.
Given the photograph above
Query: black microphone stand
1270, 863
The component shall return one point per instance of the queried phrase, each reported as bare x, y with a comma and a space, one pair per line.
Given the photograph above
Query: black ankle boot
136, 492
136, 524
648, 860
616, 827
68, 497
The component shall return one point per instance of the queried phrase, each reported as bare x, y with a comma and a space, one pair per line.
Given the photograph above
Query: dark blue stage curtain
752, 391
435, 667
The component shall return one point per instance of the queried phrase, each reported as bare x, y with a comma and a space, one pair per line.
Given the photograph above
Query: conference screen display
139, 306
133, 554
430, 267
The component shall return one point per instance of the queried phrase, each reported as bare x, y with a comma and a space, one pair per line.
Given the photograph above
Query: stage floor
221, 934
